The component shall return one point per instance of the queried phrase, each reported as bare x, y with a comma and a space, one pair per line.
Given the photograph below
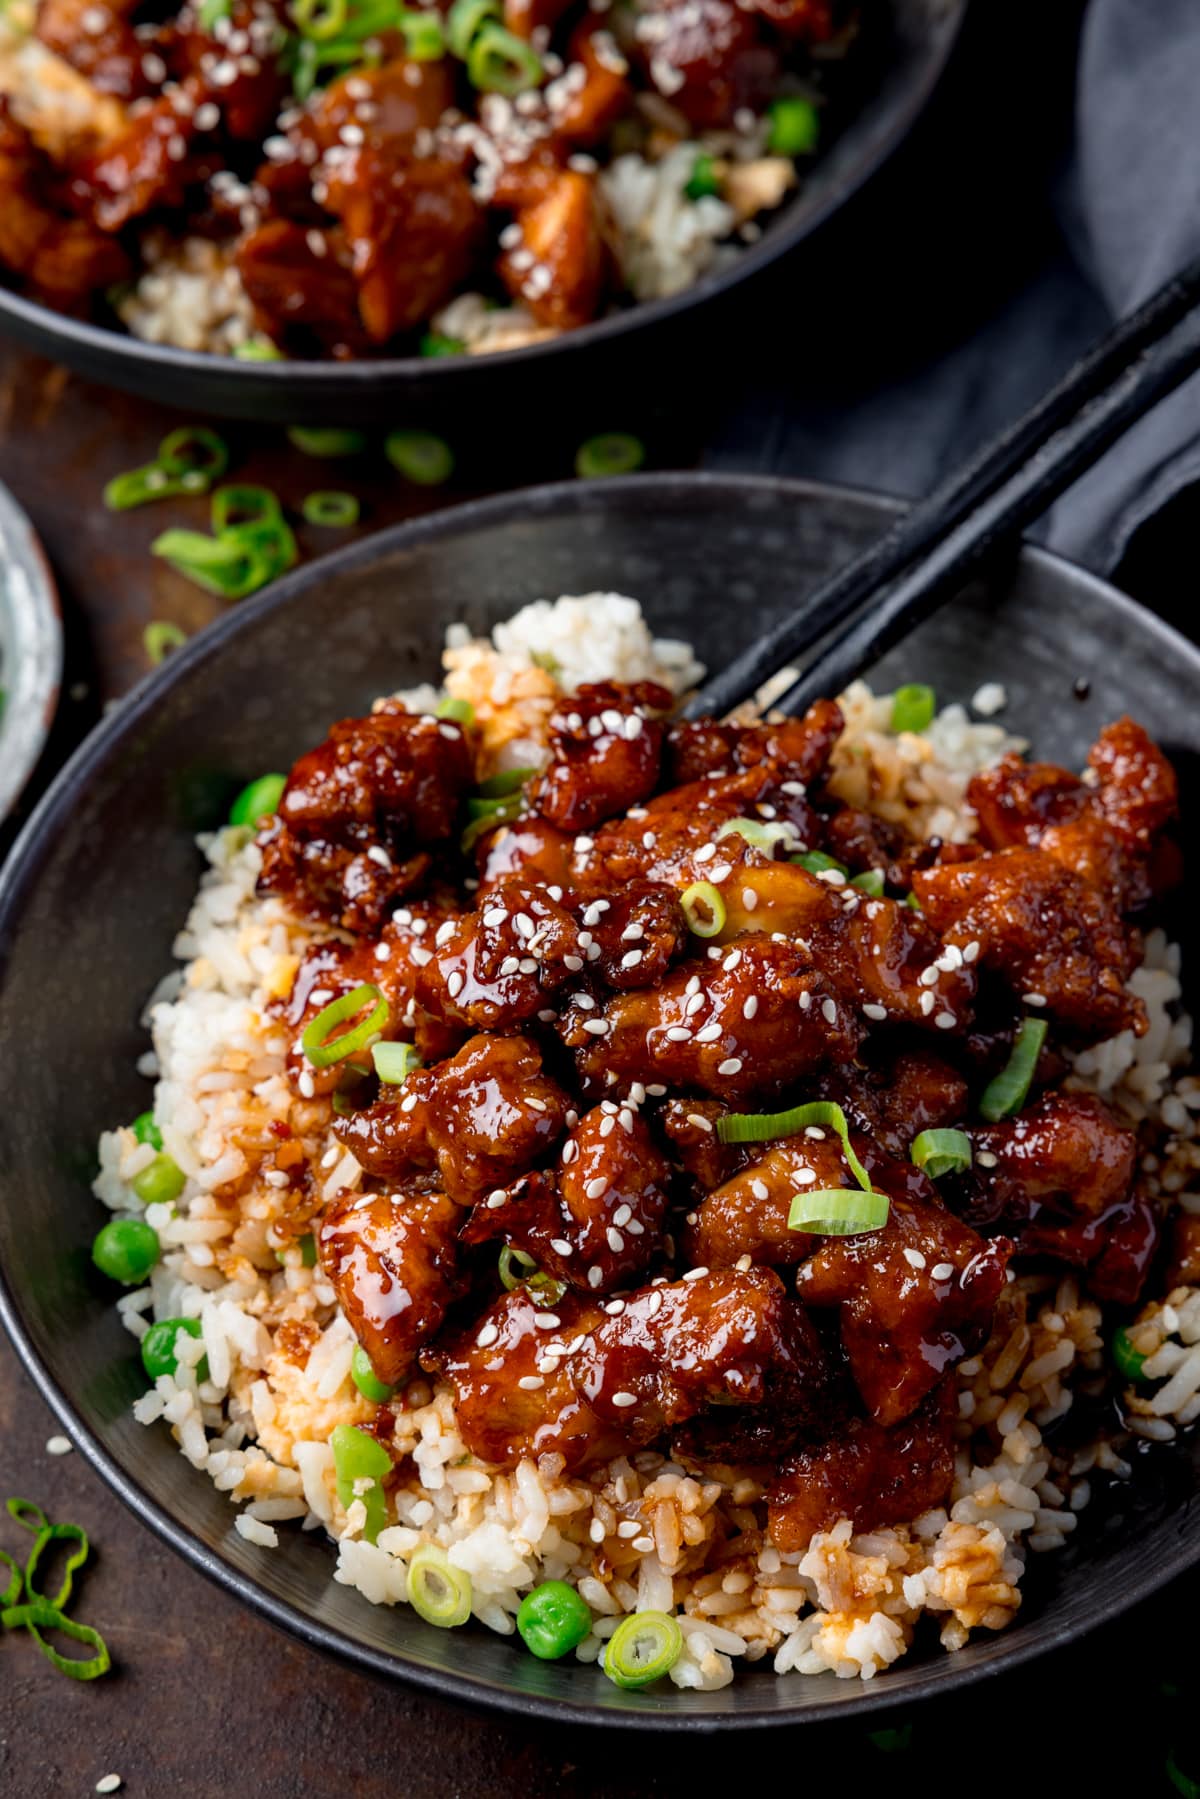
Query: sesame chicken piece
501, 965
61, 259
893, 1099
593, 1220
803, 1399
800, 748
391, 1258
640, 931
742, 1027
384, 105
707, 57
480, 1118
596, 102
559, 267
151, 164
804, 21
97, 38
1045, 930
588, 1383
914, 1298
302, 287
530, 849
690, 1127
605, 749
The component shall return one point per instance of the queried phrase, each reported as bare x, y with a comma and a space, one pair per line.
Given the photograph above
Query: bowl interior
103, 876
30, 649
896, 83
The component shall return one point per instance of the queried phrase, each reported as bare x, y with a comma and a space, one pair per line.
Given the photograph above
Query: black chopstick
1103, 371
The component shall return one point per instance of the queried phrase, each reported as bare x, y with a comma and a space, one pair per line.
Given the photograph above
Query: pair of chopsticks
918, 564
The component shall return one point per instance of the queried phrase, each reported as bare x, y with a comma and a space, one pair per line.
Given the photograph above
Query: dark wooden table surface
205, 1698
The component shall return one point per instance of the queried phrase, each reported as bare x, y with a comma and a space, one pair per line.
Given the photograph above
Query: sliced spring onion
229, 566
211, 11
326, 442
394, 1062
308, 1251
794, 127
437, 1591
486, 814
27, 1514
508, 781
420, 456
870, 882
703, 908
941, 1152
913, 707
320, 20
434, 343
761, 1127
424, 35
366, 1379
499, 62
464, 19
460, 712
1126, 1358
818, 863
160, 637
912, 902
194, 450
318, 1043
642, 1648
838, 1211
703, 181
1008, 1091
56, 1533
544, 1289
1183, 1783
12, 1591
333, 510
361, 1465
757, 833
612, 453
515, 1267
39, 1616
258, 800
544, 660
258, 349
245, 509
160, 1182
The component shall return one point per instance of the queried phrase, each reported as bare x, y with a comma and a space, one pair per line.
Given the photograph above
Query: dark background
205, 1698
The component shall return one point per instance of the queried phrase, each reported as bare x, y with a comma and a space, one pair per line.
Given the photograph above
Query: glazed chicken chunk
391, 1259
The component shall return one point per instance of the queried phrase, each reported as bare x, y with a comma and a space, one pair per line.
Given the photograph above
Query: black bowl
923, 35
104, 872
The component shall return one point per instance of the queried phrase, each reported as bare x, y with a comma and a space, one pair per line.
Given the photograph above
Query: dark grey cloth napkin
1056, 188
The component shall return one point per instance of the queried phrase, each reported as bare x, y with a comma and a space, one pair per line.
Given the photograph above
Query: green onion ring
138, 486
870, 882
329, 508
838, 1211
12, 1591
17, 1509
258, 349
508, 781
759, 835
219, 565
39, 1616
761, 1127
194, 450
437, 1591
1127, 1359
913, 707
419, 456
160, 637
611, 453
642, 1648
57, 1533
244, 507
703, 893
360, 1457
326, 442
394, 1062
941, 1152
424, 38
464, 19
323, 1050
510, 1256
818, 863
500, 62
486, 814
434, 343
320, 20
1008, 1091
460, 712
211, 11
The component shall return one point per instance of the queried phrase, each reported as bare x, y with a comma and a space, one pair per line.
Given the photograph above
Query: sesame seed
731, 1065
828, 1011
985, 1159
1034, 999
677, 1033
945, 1021
495, 916
694, 1005
631, 958
547, 1016
530, 1383
574, 963
628, 1527
699, 1121
615, 1307
597, 1026
926, 1003
547, 1321
548, 1363
731, 961
59, 1446
942, 1271
615, 1240
760, 1189
656, 1090
596, 1531
454, 985
108, 1783
561, 1247
970, 952
643, 1545
487, 1336
914, 1258
624, 1399
877, 1013
707, 853
383, 952
496, 1200
607, 1126
584, 844
595, 1275
597, 1187
695, 1274
536, 1105
622, 1215
805, 1000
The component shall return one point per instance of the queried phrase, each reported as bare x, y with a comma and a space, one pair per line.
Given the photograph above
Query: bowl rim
35, 647
22, 868
122, 350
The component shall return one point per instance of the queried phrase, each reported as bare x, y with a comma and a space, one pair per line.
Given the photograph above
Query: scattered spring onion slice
420, 456
703, 908
322, 1048
703, 181
486, 814
258, 349
1008, 1091
761, 1127
360, 1460
212, 11
424, 35
1183, 1783
366, 1379
756, 833
326, 442
642, 1648
913, 707
246, 552
394, 1062
465, 18
12, 1592
612, 453
794, 127
434, 343
335, 511
508, 781
1126, 1358
818, 863
39, 1616
870, 883
515, 1266
308, 1250
913, 903
941, 1152
838, 1211
160, 637
459, 712
437, 1591
189, 460
56, 1533
28, 1514
499, 62
260, 799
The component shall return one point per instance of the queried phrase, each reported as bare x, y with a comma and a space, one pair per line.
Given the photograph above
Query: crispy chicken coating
391, 1258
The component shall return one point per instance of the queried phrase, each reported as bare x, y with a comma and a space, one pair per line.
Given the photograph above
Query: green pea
552, 1620
365, 1377
160, 1182
146, 1131
158, 1347
259, 800
126, 1250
